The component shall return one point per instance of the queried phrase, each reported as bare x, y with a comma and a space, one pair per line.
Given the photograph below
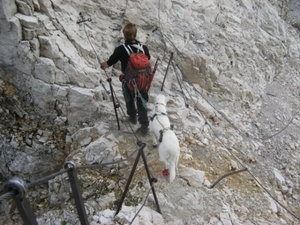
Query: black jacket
120, 54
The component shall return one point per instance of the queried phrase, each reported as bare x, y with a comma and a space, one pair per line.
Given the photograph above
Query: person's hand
121, 77
104, 65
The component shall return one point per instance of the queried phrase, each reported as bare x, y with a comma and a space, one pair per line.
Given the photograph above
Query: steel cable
108, 163
244, 168
7, 195
142, 206
47, 178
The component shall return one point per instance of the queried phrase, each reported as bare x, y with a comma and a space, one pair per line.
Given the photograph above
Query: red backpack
138, 74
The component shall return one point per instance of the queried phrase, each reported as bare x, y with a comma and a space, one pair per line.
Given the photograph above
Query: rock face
233, 97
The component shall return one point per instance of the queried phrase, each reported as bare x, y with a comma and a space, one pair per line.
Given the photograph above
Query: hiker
121, 54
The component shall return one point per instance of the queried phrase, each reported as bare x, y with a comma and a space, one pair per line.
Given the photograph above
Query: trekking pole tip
153, 180
155, 29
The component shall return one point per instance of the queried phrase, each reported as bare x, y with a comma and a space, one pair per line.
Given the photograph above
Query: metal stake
23, 205
76, 192
151, 180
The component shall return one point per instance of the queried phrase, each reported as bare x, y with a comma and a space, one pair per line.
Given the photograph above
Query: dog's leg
163, 157
154, 140
176, 165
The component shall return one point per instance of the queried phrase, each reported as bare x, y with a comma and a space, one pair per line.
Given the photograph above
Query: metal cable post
76, 192
19, 187
151, 179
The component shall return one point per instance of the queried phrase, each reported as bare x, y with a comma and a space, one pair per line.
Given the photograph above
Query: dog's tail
173, 167
172, 171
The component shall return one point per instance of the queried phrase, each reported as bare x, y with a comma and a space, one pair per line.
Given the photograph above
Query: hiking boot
132, 119
144, 130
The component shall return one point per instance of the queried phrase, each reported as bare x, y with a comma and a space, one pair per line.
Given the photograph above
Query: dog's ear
157, 98
160, 98
163, 98
167, 98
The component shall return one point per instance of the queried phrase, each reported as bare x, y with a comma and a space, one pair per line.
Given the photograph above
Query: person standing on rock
120, 54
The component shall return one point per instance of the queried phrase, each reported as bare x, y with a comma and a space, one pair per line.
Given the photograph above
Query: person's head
129, 32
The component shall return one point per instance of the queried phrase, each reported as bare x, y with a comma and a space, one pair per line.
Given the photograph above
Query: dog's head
160, 104
160, 99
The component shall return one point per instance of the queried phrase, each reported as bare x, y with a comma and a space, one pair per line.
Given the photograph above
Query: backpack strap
128, 49
137, 46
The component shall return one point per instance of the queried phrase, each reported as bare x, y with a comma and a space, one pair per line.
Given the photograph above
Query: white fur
169, 149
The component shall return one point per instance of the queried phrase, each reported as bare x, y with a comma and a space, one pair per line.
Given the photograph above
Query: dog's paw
165, 172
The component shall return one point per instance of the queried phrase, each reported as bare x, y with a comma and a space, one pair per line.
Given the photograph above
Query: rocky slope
233, 97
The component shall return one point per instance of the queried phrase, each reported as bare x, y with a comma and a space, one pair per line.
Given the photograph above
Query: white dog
161, 130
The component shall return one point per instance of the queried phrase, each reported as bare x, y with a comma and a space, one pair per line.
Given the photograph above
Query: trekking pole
113, 99
155, 66
162, 85
154, 69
